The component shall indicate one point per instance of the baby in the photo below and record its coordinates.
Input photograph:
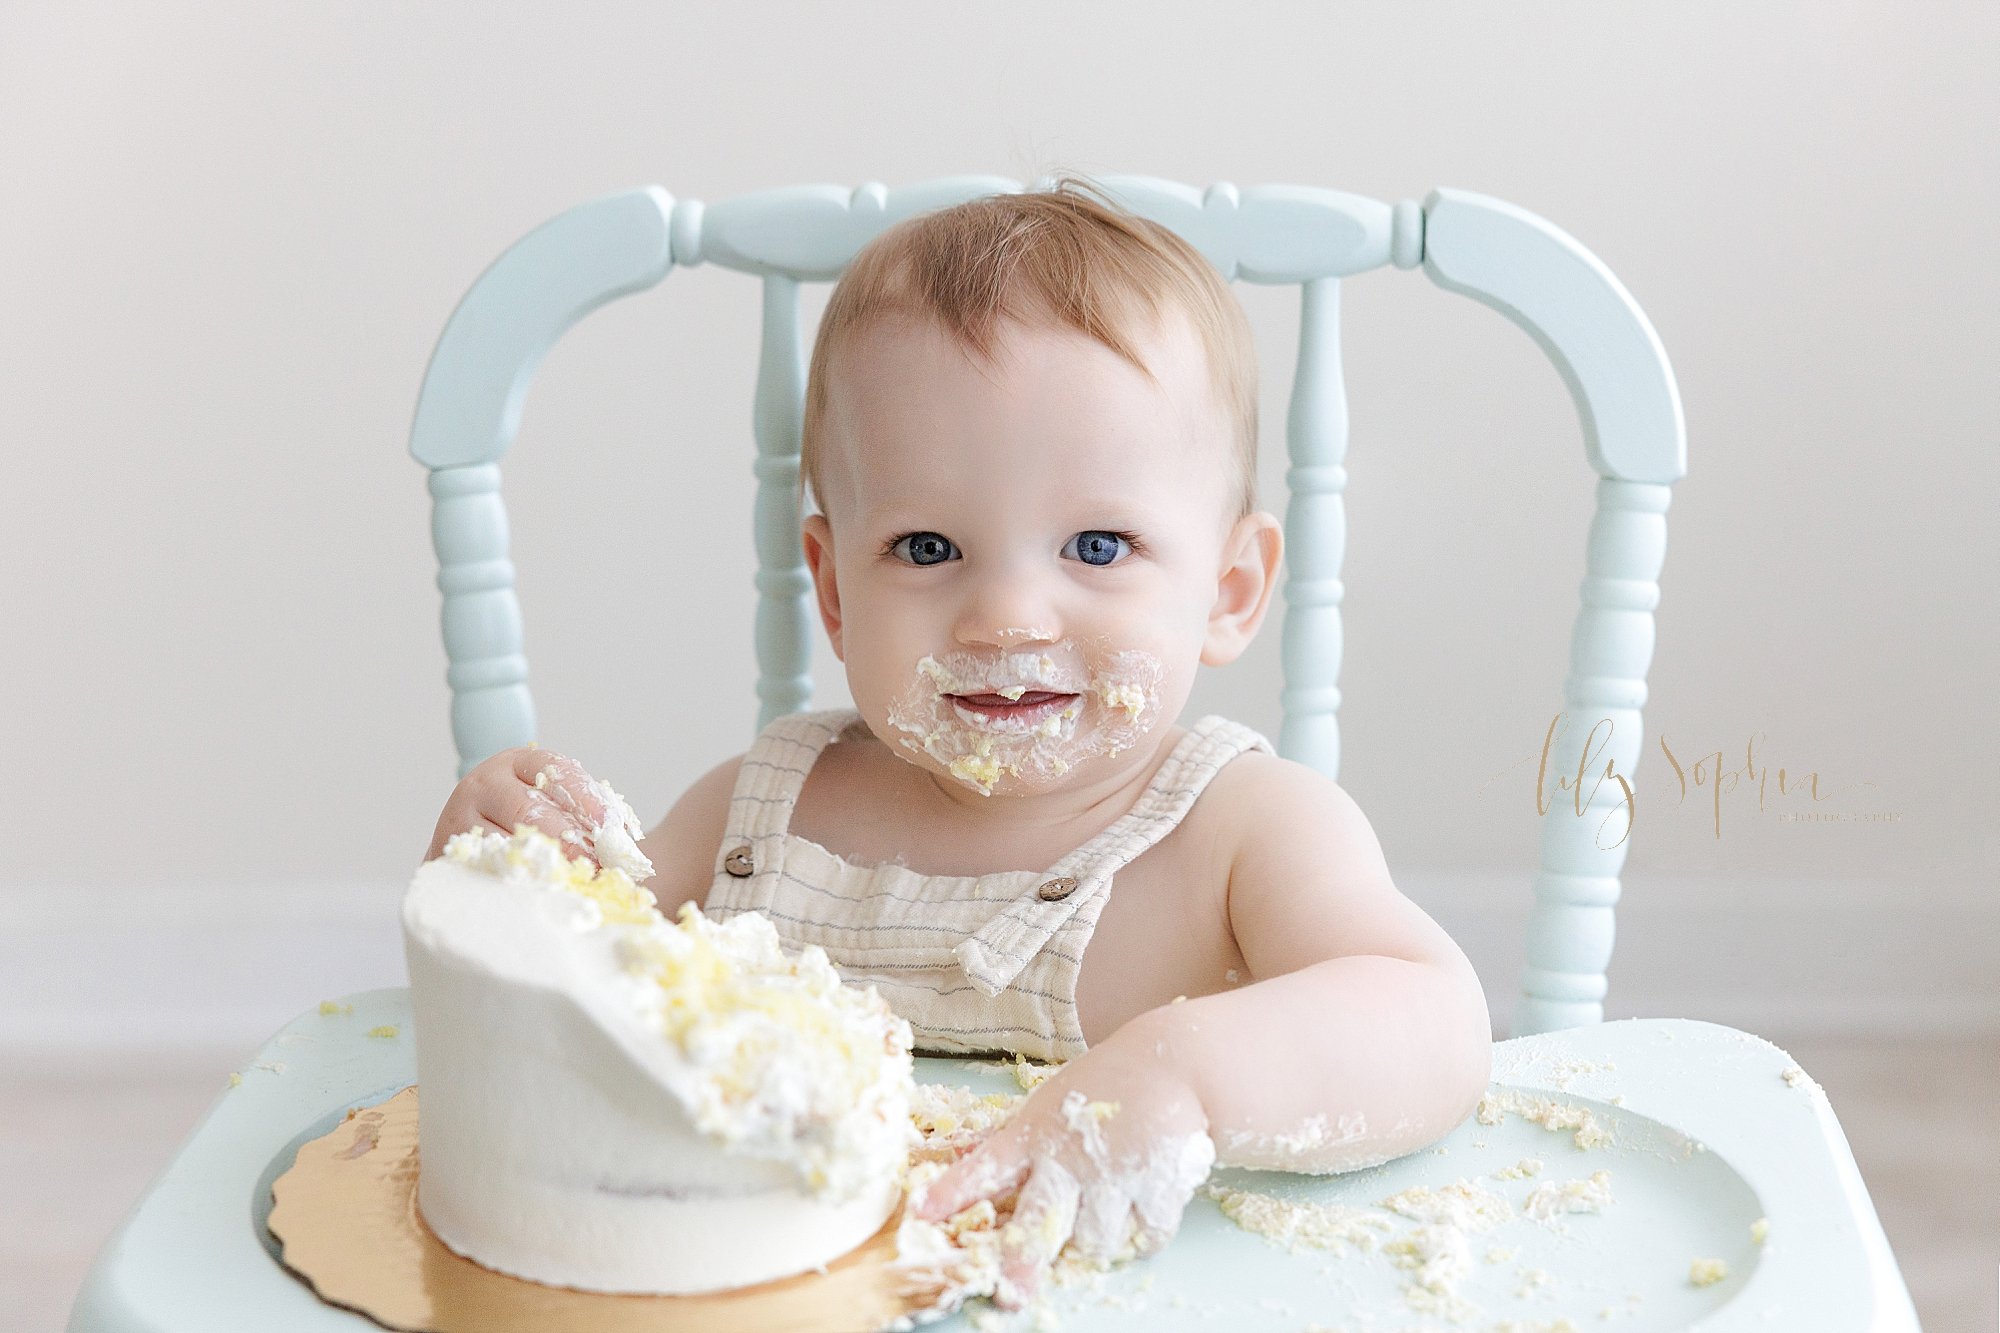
(1030, 432)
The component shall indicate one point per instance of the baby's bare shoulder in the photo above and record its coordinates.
(1307, 876)
(682, 846)
(1258, 793)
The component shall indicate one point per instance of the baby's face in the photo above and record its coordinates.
(1018, 561)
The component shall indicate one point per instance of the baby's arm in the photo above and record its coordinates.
(682, 846)
(1367, 1039)
(1367, 1034)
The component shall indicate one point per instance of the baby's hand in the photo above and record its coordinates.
(528, 785)
(1107, 1151)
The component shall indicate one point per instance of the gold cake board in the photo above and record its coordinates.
(346, 1216)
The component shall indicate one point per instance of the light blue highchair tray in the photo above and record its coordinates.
(1687, 1183)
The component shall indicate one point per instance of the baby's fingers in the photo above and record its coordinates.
(595, 822)
(563, 782)
(989, 1170)
(1103, 1221)
(1175, 1171)
(559, 798)
(1042, 1222)
(477, 806)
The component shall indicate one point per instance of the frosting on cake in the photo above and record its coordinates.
(618, 1102)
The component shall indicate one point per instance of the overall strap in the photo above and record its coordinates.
(994, 956)
(774, 772)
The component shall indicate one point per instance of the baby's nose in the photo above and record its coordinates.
(1007, 609)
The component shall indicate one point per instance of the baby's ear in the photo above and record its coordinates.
(816, 536)
(1249, 574)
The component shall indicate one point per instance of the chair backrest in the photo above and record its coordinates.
(1541, 279)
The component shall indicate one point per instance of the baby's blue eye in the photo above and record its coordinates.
(1096, 547)
(924, 548)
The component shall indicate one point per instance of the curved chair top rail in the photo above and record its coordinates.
(1268, 234)
(1530, 271)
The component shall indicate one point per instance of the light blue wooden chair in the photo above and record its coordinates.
(1729, 1150)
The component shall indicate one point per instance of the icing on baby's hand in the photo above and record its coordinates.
(1105, 1154)
(592, 820)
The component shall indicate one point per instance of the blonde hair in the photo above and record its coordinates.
(1051, 258)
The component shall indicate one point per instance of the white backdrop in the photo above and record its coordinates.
(234, 230)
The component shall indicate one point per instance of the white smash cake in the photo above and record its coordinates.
(616, 1102)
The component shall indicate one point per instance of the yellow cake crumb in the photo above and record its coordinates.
(236, 1080)
(1031, 1076)
(1568, 1070)
(952, 1118)
(1295, 1223)
(1799, 1078)
(1048, 1230)
(1436, 1257)
(979, 1217)
(1568, 1196)
(532, 853)
(386, 1030)
(1546, 1112)
(1760, 1229)
(1460, 1204)
(979, 768)
(1707, 1272)
(1128, 699)
(328, 1008)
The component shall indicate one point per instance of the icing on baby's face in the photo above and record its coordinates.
(1019, 559)
(1027, 718)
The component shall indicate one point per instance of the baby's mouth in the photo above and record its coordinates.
(1031, 707)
